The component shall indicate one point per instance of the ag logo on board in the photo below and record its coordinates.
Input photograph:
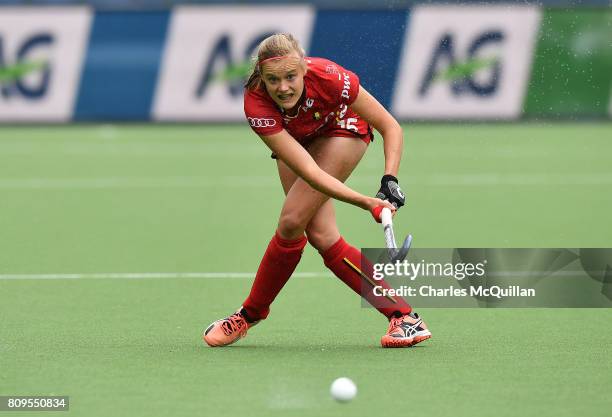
(24, 74)
(225, 65)
(465, 72)
(207, 57)
(465, 62)
(41, 57)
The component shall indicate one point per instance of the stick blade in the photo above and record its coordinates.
(400, 254)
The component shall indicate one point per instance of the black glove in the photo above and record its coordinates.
(391, 191)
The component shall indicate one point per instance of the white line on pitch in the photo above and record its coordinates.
(150, 275)
(435, 180)
(135, 182)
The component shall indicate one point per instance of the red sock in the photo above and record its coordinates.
(334, 259)
(277, 265)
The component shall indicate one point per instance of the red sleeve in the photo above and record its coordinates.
(341, 85)
(263, 117)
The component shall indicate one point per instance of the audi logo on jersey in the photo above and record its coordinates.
(261, 122)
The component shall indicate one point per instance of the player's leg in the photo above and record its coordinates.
(342, 259)
(323, 233)
(406, 328)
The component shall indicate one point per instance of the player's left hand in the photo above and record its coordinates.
(391, 191)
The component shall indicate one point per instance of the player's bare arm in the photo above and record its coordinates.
(299, 160)
(368, 108)
(380, 119)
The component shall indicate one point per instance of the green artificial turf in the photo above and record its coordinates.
(170, 199)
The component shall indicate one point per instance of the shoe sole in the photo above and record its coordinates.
(211, 344)
(400, 342)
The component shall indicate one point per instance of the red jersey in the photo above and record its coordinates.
(329, 90)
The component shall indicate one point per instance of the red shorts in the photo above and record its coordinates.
(339, 132)
(350, 126)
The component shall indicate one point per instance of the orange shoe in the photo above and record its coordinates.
(228, 330)
(405, 331)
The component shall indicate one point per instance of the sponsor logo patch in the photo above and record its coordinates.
(347, 86)
(308, 105)
(331, 69)
(261, 122)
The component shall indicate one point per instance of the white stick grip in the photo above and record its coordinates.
(387, 223)
(386, 218)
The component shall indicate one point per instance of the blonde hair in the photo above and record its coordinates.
(279, 44)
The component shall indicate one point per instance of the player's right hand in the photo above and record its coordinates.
(376, 205)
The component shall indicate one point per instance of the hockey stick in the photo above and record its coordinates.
(395, 254)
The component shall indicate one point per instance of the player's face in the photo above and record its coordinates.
(284, 80)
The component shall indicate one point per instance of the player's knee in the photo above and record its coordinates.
(321, 240)
(291, 225)
(316, 239)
